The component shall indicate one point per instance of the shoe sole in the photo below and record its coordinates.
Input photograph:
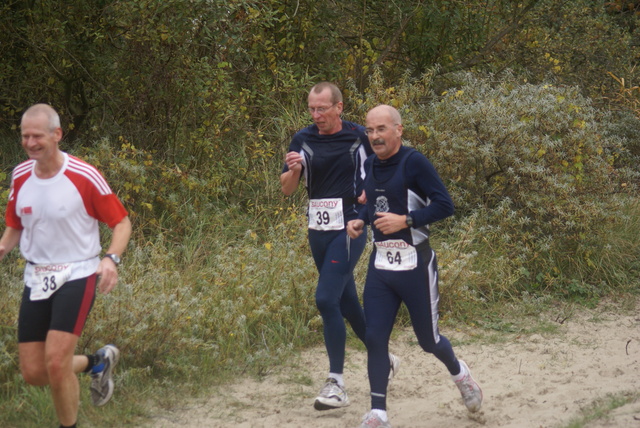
(319, 405)
(108, 374)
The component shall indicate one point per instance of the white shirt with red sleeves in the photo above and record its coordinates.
(59, 216)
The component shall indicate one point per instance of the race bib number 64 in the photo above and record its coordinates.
(47, 279)
(395, 255)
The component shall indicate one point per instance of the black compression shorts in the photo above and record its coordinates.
(66, 310)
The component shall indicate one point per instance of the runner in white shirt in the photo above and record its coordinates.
(55, 204)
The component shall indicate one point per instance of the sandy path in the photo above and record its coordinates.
(529, 381)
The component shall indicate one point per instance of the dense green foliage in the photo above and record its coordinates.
(540, 177)
(529, 111)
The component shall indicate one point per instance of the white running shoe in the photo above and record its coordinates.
(469, 389)
(102, 381)
(371, 420)
(332, 396)
(395, 365)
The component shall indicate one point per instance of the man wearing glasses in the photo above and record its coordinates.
(330, 154)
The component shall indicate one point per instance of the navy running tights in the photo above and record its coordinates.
(384, 291)
(335, 256)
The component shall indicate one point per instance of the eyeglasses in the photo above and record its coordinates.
(320, 110)
(380, 129)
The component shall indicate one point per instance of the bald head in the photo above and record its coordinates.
(386, 110)
(384, 129)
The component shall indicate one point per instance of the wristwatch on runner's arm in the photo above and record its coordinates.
(114, 258)
(409, 220)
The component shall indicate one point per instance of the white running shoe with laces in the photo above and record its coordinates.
(395, 365)
(102, 381)
(372, 420)
(332, 396)
(469, 389)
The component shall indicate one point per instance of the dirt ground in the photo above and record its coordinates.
(529, 381)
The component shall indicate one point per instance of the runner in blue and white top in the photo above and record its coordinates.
(404, 195)
(332, 168)
(330, 155)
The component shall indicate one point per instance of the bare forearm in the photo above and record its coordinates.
(10, 239)
(120, 237)
(289, 181)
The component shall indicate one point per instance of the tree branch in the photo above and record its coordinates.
(477, 58)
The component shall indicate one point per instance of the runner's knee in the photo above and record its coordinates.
(34, 375)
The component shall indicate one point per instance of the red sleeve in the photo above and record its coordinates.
(99, 200)
(18, 177)
(107, 209)
(10, 217)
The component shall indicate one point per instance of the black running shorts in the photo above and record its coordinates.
(66, 310)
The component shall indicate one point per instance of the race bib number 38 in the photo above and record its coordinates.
(326, 214)
(47, 279)
(396, 255)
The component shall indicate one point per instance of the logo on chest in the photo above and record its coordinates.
(382, 204)
(26, 211)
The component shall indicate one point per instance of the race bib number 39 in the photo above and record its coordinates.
(326, 214)
(47, 279)
(395, 255)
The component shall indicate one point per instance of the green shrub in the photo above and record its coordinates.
(533, 169)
